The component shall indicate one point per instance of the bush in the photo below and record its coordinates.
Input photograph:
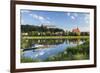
(79, 52)
(26, 60)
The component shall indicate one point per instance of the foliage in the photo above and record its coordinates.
(79, 52)
(26, 60)
(40, 30)
(32, 30)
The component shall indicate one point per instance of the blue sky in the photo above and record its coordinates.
(63, 20)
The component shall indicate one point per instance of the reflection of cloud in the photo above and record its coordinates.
(36, 55)
(41, 53)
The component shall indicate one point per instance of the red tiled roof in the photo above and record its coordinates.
(76, 30)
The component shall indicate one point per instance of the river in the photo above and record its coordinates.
(48, 47)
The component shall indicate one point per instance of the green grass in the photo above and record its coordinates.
(80, 52)
(54, 37)
(27, 60)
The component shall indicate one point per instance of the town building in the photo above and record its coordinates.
(76, 30)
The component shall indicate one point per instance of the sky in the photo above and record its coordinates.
(63, 20)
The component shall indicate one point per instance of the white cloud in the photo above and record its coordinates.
(48, 22)
(73, 17)
(25, 11)
(40, 18)
(37, 16)
(87, 21)
(75, 14)
(48, 18)
(22, 21)
(68, 14)
(84, 29)
(34, 16)
(87, 18)
(45, 21)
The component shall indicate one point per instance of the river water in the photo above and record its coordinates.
(47, 48)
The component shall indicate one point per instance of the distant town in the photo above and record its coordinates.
(50, 30)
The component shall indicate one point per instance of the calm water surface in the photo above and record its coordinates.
(46, 48)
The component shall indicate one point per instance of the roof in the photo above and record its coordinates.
(76, 30)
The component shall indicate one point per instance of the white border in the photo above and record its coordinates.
(52, 64)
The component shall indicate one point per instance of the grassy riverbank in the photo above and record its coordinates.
(54, 37)
(80, 52)
(27, 60)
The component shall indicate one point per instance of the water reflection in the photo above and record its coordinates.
(48, 47)
(27, 43)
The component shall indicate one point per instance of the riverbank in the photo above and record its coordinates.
(80, 52)
(55, 37)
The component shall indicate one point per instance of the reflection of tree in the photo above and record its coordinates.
(27, 43)
(74, 41)
(24, 43)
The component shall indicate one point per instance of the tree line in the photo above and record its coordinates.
(31, 30)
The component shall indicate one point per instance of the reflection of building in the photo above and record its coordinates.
(76, 30)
